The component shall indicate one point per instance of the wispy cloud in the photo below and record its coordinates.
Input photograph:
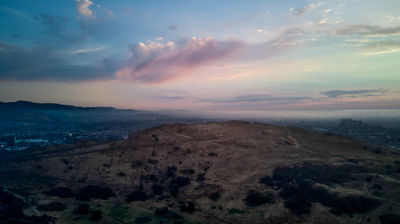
(301, 11)
(368, 30)
(354, 93)
(45, 64)
(83, 7)
(173, 27)
(382, 47)
(257, 98)
(17, 13)
(376, 47)
(87, 50)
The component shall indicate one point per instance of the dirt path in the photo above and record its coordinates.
(33, 208)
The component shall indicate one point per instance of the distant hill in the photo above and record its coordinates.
(221, 172)
(26, 105)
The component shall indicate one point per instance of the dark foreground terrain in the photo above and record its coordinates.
(227, 172)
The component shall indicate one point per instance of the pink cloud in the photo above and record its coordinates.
(158, 62)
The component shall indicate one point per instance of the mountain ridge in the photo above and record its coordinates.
(24, 105)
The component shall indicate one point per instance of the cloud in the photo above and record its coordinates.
(354, 93)
(376, 47)
(150, 62)
(369, 30)
(157, 62)
(257, 98)
(108, 12)
(17, 13)
(381, 47)
(83, 7)
(87, 50)
(55, 25)
(46, 64)
(301, 11)
(173, 27)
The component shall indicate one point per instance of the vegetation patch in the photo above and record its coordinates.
(188, 207)
(171, 171)
(214, 196)
(53, 206)
(299, 190)
(233, 211)
(389, 219)
(166, 213)
(157, 189)
(93, 191)
(60, 192)
(212, 154)
(137, 195)
(177, 183)
(255, 198)
(96, 215)
(144, 219)
(187, 171)
(83, 209)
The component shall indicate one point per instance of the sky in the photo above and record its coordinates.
(259, 55)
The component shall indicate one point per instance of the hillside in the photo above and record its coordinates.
(224, 172)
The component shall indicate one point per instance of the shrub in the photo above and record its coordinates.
(83, 209)
(214, 196)
(137, 195)
(157, 189)
(53, 206)
(256, 199)
(143, 220)
(121, 174)
(235, 211)
(353, 204)
(200, 177)
(60, 192)
(298, 205)
(152, 161)
(187, 171)
(189, 207)
(161, 212)
(92, 191)
(174, 190)
(96, 215)
(177, 183)
(267, 180)
(389, 219)
(180, 181)
(171, 171)
(165, 213)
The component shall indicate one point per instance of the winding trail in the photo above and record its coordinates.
(33, 208)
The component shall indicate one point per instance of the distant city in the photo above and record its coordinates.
(25, 125)
(357, 129)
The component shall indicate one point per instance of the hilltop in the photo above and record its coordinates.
(221, 172)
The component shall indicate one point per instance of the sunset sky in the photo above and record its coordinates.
(202, 55)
